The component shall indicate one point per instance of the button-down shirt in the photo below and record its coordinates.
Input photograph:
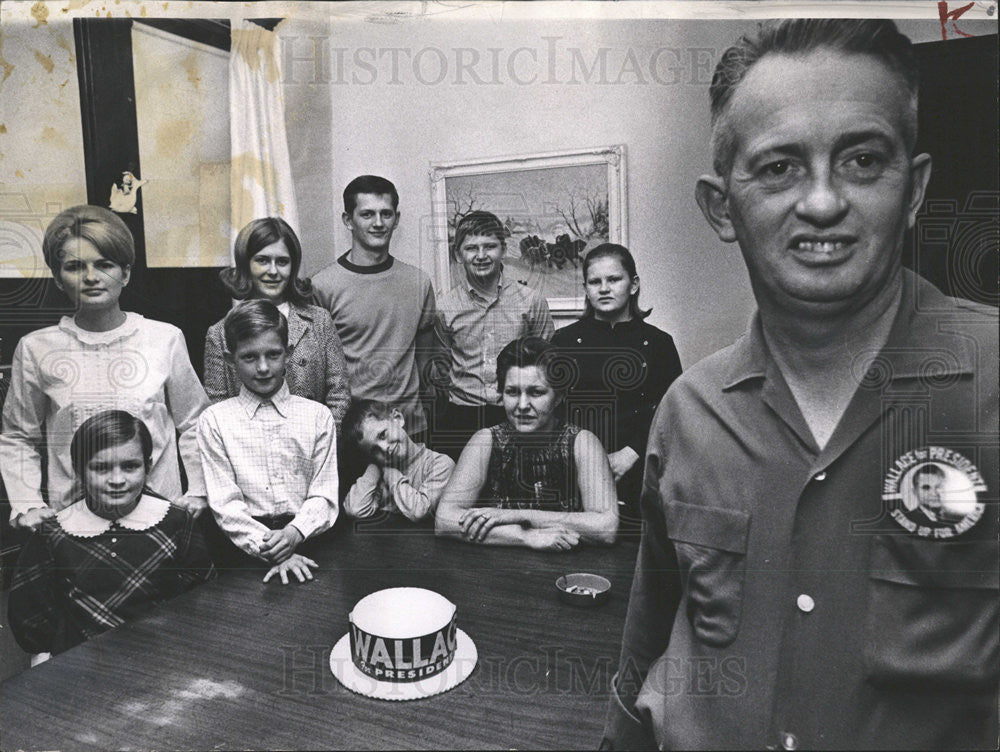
(413, 491)
(780, 599)
(473, 329)
(80, 574)
(265, 458)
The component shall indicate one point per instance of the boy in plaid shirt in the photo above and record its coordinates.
(270, 457)
(112, 555)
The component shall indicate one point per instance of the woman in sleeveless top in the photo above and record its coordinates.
(533, 480)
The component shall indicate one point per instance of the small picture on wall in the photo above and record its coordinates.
(555, 207)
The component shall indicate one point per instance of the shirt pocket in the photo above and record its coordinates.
(933, 613)
(711, 546)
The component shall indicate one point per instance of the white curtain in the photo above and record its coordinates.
(261, 174)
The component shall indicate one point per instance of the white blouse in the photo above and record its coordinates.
(63, 374)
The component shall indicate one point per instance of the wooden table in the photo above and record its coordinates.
(237, 664)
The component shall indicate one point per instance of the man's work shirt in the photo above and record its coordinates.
(791, 597)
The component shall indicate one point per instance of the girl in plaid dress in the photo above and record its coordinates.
(110, 556)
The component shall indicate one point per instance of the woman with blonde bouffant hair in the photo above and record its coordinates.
(99, 358)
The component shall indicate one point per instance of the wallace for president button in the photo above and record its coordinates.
(932, 492)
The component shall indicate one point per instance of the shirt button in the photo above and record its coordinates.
(113, 555)
(789, 741)
(579, 340)
(821, 475)
(805, 604)
(114, 540)
(645, 343)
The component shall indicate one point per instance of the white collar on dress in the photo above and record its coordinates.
(79, 521)
(127, 328)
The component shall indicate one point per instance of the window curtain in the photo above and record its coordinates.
(261, 175)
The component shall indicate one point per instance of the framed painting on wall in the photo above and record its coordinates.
(554, 206)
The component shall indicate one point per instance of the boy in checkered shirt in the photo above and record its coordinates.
(270, 457)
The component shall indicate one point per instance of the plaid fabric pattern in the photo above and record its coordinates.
(268, 458)
(67, 589)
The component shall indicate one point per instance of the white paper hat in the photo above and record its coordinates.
(403, 644)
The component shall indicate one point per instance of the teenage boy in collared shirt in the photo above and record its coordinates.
(270, 457)
(786, 596)
(476, 320)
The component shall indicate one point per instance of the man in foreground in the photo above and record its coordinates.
(785, 596)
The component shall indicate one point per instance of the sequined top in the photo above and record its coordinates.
(532, 470)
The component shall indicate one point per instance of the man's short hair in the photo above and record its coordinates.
(360, 410)
(800, 36)
(928, 469)
(373, 184)
(106, 429)
(481, 223)
(251, 318)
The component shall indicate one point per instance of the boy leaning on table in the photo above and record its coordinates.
(402, 475)
(269, 456)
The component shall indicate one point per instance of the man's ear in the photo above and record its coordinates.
(228, 357)
(920, 175)
(346, 219)
(712, 196)
(397, 415)
(127, 268)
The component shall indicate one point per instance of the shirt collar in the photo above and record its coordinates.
(502, 284)
(80, 522)
(250, 401)
(920, 338)
(129, 327)
(595, 322)
(373, 269)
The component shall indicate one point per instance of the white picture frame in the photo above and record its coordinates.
(543, 199)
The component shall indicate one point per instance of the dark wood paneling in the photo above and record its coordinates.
(191, 299)
(955, 241)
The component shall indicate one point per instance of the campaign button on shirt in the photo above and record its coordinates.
(933, 492)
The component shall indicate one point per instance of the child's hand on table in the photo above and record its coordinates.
(279, 545)
(297, 564)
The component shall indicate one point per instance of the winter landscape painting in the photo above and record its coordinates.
(554, 208)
